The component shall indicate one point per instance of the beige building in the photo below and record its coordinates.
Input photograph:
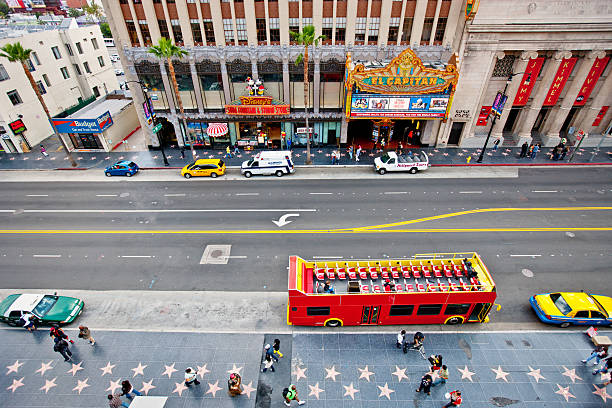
(231, 40)
(72, 68)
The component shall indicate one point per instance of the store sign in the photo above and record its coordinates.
(257, 110)
(563, 74)
(256, 100)
(531, 72)
(18, 127)
(600, 115)
(404, 88)
(97, 125)
(589, 83)
(303, 130)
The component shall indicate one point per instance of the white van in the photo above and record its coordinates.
(109, 42)
(412, 163)
(268, 163)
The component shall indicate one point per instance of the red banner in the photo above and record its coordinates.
(589, 83)
(533, 67)
(600, 115)
(563, 73)
(485, 111)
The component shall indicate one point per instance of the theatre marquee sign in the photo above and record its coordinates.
(403, 89)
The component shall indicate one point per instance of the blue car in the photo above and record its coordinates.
(122, 168)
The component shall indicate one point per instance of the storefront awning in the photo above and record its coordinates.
(216, 129)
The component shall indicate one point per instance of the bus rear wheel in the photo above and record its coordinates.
(333, 323)
(454, 320)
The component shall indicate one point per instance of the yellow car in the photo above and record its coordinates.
(204, 167)
(566, 308)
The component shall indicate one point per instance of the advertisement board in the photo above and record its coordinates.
(17, 127)
(499, 103)
(398, 106)
(97, 125)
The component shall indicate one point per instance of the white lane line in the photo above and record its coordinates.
(47, 256)
(172, 211)
(533, 256)
(321, 193)
(174, 195)
(544, 191)
(247, 194)
(136, 256)
(327, 257)
(37, 195)
(395, 192)
(234, 256)
(106, 195)
(470, 192)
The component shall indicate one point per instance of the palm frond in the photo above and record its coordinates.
(299, 59)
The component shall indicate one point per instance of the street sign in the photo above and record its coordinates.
(157, 128)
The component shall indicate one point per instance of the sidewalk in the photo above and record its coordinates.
(518, 370)
(34, 160)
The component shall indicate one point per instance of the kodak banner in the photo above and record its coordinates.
(589, 83)
(563, 73)
(533, 67)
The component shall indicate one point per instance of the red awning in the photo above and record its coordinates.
(216, 129)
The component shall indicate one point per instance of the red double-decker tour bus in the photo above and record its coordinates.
(449, 288)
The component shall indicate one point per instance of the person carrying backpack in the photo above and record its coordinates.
(291, 394)
(57, 332)
(61, 346)
(455, 399)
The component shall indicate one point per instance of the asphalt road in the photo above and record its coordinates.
(152, 235)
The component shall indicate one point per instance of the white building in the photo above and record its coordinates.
(72, 68)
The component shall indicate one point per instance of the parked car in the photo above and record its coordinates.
(411, 163)
(566, 308)
(122, 168)
(47, 309)
(203, 168)
(114, 57)
(119, 72)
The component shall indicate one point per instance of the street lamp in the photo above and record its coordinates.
(147, 101)
(495, 114)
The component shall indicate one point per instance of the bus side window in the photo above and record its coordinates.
(429, 310)
(317, 311)
(457, 308)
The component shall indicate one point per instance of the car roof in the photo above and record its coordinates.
(126, 162)
(579, 301)
(24, 302)
(207, 161)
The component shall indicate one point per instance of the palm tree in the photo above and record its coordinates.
(166, 50)
(16, 53)
(306, 38)
(93, 10)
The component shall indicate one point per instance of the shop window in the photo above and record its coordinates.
(238, 71)
(185, 86)
(271, 73)
(14, 97)
(439, 36)
(197, 133)
(212, 90)
(209, 31)
(195, 30)
(155, 87)
(407, 29)
(41, 87)
(260, 25)
(296, 86)
(426, 33)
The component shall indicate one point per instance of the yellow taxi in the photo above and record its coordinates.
(566, 308)
(204, 167)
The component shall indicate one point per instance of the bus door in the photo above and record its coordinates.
(480, 312)
(370, 314)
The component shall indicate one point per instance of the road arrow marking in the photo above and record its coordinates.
(282, 221)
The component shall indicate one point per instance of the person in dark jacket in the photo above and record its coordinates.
(128, 390)
(425, 384)
(56, 332)
(61, 346)
(524, 148)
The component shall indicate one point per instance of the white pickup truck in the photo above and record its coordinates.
(390, 161)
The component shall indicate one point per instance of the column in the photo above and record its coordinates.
(400, 32)
(215, 12)
(286, 88)
(135, 20)
(417, 23)
(317, 83)
(351, 17)
(385, 18)
(197, 88)
(249, 14)
(435, 22)
(511, 90)
(201, 23)
(530, 115)
(344, 130)
(254, 70)
(451, 23)
(317, 17)
(168, 22)
(603, 98)
(151, 18)
(180, 138)
(554, 123)
(283, 16)
(167, 87)
(369, 10)
(185, 22)
(226, 81)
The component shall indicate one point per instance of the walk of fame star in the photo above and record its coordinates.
(350, 390)
(331, 373)
(315, 390)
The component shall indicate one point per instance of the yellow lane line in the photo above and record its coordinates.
(353, 231)
(481, 210)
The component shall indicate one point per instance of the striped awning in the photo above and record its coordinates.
(216, 129)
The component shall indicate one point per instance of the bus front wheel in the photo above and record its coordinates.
(333, 323)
